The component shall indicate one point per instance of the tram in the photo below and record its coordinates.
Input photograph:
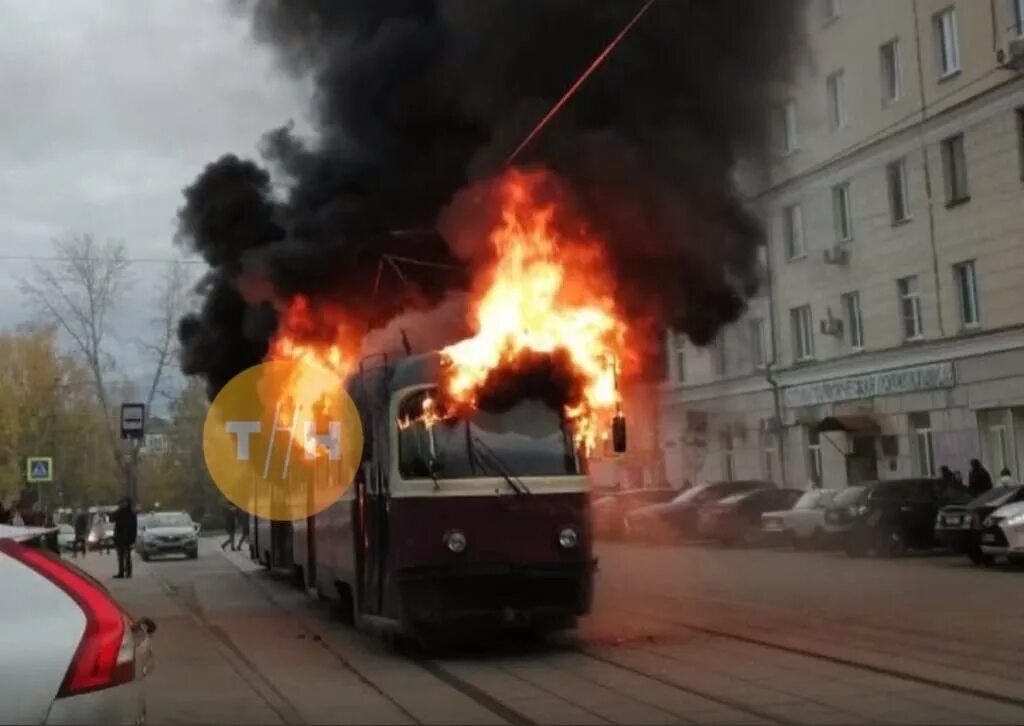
(466, 525)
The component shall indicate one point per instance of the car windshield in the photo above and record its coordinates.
(813, 498)
(850, 495)
(528, 439)
(168, 520)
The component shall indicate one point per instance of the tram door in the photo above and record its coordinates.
(373, 519)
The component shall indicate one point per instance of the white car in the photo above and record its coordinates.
(1002, 532)
(68, 652)
(804, 524)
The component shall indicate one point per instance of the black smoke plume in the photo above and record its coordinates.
(417, 99)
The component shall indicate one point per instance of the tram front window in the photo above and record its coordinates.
(528, 439)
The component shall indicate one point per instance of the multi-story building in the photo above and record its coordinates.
(889, 338)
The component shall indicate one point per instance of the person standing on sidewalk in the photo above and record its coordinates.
(230, 517)
(244, 526)
(979, 480)
(126, 526)
(81, 525)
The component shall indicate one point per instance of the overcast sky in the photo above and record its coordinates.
(107, 109)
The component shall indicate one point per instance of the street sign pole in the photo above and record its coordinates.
(133, 429)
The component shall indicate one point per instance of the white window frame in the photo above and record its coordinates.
(790, 135)
(842, 212)
(947, 42)
(728, 456)
(831, 10)
(896, 179)
(793, 231)
(802, 324)
(853, 321)
(910, 307)
(758, 343)
(835, 93)
(815, 467)
(892, 73)
(966, 281)
(954, 169)
(924, 446)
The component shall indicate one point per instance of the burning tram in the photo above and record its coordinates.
(471, 522)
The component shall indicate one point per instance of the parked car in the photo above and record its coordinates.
(899, 514)
(71, 654)
(609, 512)
(737, 517)
(804, 524)
(958, 526)
(1002, 533)
(677, 519)
(65, 537)
(169, 533)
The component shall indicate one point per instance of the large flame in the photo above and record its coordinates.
(547, 293)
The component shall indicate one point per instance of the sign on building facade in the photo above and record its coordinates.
(883, 383)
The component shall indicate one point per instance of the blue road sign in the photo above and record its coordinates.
(39, 469)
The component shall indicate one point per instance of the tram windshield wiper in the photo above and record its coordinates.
(487, 456)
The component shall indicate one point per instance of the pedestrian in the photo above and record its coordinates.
(1006, 478)
(949, 478)
(16, 519)
(979, 480)
(51, 538)
(81, 525)
(244, 538)
(230, 515)
(126, 525)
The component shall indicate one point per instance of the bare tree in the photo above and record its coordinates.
(78, 293)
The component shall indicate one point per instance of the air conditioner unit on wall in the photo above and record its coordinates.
(832, 326)
(1013, 57)
(837, 255)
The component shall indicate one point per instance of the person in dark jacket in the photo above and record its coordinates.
(230, 521)
(81, 525)
(979, 480)
(126, 526)
(243, 521)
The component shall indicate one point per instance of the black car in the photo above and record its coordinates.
(675, 520)
(899, 514)
(737, 517)
(958, 526)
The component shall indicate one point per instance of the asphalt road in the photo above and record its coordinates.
(680, 635)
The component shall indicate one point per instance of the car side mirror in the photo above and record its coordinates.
(619, 434)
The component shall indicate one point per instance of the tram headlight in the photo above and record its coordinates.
(455, 541)
(568, 538)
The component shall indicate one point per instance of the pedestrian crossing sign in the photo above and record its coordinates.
(39, 469)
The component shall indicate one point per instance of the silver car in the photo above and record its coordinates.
(68, 652)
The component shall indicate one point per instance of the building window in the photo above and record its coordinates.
(892, 72)
(758, 343)
(793, 231)
(769, 453)
(924, 451)
(814, 466)
(967, 293)
(830, 10)
(954, 167)
(910, 307)
(852, 320)
(789, 141)
(899, 198)
(803, 333)
(1020, 136)
(728, 456)
(947, 43)
(841, 213)
(836, 102)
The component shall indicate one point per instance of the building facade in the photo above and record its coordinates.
(889, 337)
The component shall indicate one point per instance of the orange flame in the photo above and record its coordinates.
(548, 292)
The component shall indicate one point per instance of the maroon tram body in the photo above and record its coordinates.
(475, 523)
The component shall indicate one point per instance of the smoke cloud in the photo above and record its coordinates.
(419, 100)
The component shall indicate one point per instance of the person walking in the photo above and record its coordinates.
(230, 517)
(81, 525)
(244, 526)
(126, 526)
(979, 480)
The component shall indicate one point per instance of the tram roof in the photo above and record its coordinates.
(379, 379)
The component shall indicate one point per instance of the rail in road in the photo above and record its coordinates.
(686, 672)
